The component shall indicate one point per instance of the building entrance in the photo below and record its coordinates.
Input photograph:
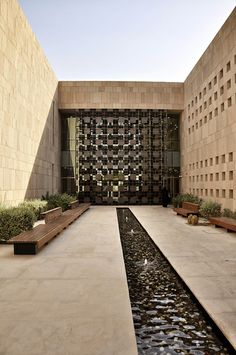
(120, 156)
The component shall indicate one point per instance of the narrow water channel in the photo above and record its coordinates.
(166, 317)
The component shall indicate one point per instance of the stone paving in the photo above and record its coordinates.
(72, 297)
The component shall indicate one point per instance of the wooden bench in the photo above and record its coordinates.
(224, 222)
(187, 209)
(31, 241)
(74, 204)
(50, 215)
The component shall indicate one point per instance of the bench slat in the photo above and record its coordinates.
(224, 222)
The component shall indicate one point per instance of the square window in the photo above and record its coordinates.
(221, 74)
(231, 156)
(229, 84)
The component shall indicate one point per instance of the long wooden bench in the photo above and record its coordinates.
(187, 209)
(30, 242)
(224, 222)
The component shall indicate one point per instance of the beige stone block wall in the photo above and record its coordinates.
(29, 125)
(120, 95)
(208, 124)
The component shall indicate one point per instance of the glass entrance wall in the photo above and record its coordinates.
(120, 156)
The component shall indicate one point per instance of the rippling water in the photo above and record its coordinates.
(166, 318)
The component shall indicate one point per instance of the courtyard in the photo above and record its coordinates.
(72, 297)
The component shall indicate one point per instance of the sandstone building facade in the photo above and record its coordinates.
(34, 107)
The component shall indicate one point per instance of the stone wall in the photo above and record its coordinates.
(120, 95)
(208, 125)
(29, 124)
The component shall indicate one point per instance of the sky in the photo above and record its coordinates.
(136, 40)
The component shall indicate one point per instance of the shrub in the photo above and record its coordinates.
(179, 199)
(59, 200)
(210, 209)
(14, 220)
(37, 206)
(228, 213)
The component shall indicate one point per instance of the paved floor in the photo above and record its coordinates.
(72, 298)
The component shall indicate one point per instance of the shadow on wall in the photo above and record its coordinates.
(45, 173)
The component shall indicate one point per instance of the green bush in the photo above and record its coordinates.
(59, 200)
(14, 220)
(228, 213)
(37, 206)
(210, 209)
(179, 199)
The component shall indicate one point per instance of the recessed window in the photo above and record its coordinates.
(229, 101)
(189, 178)
(211, 192)
(211, 177)
(223, 158)
(192, 128)
(215, 95)
(210, 115)
(223, 175)
(217, 159)
(222, 90)
(189, 118)
(217, 192)
(231, 175)
(210, 101)
(189, 130)
(206, 162)
(211, 161)
(209, 85)
(229, 84)
(192, 103)
(215, 80)
(188, 106)
(235, 59)
(223, 193)
(200, 122)
(193, 191)
(201, 163)
(197, 178)
(217, 176)
(193, 178)
(221, 74)
(222, 107)
(200, 108)
(196, 125)
(200, 95)
(205, 119)
(231, 156)
(201, 177)
(197, 191)
(206, 177)
(205, 104)
(196, 112)
(196, 165)
(231, 193)
(193, 166)
(206, 192)
(228, 66)
(195, 99)
(192, 116)
(216, 111)
(204, 91)
(201, 192)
